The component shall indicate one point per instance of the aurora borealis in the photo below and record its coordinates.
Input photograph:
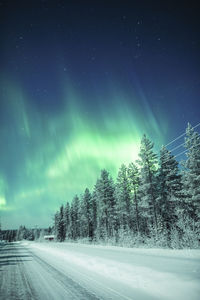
(80, 83)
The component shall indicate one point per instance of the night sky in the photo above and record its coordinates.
(80, 83)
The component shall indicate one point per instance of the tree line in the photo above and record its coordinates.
(24, 233)
(153, 201)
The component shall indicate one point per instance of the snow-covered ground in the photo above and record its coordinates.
(134, 273)
(99, 272)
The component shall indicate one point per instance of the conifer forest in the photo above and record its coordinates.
(154, 201)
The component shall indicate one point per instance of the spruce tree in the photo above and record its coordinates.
(169, 192)
(56, 221)
(67, 220)
(86, 214)
(191, 176)
(133, 177)
(61, 225)
(106, 206)
(94, 213)
(123, 197)
(75, 218)
(147, 189)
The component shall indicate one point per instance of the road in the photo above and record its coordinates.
(23, 275)
(68, 271)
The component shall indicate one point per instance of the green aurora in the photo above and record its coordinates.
(51, 155)
(80, 83)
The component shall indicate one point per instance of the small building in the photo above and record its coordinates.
(49, 237)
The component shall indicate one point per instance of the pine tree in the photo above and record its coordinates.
(191, 176)
(61, 225)
(86, 214)
(56, 221)
(133, 177)
(169, 191)
(106, 206)
(67, 220)
(123, 196)
(147, 187)
(21, 233)
(75, 218)
(112, 211)
(94, 214)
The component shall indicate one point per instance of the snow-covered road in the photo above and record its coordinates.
(77, 271)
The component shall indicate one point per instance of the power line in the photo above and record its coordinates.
(180, 145)
(181, 136)
(181, 153)
(175, 148)
(187, 149)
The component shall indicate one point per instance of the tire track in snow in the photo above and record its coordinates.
(72, 287)
(15, 283)
(30, 291)
(110, 293)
